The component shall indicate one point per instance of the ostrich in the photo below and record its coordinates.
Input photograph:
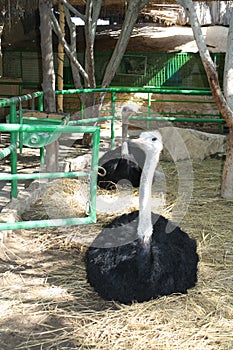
(142, 255)
(118, 164)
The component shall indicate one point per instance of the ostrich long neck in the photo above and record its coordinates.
(124, 147)
(144, 222)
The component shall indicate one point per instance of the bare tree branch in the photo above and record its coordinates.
(69, 53)
(92, 15)
(73, 48)
(74, 11)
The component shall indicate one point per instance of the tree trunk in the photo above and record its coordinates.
(2, 23)
(227, 177)
(60, 58)
(48, 84)
(224, 103)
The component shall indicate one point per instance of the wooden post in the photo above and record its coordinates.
(1, 30)
(60, 57)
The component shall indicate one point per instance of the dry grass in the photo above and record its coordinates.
(47, 303)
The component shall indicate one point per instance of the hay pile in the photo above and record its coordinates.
(63, 198)
(47, 303)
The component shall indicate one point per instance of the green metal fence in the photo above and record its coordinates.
(15, 129)
(154, 69)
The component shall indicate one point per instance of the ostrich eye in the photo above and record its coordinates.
(154, 138)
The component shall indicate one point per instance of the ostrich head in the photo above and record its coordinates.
(150, 142)
(127, 111)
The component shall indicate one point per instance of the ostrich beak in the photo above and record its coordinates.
(141, 142)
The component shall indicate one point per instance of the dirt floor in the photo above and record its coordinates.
(145, 37)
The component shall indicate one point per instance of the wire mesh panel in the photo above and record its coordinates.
(174, 69)
(12, 64)
(31, 67)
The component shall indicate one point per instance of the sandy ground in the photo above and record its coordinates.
(145, 37)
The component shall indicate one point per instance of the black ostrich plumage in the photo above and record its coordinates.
(121, 268)
(119, 169)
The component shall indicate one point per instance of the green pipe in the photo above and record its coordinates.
(40, 103)
(174, 119)
(36, 176)
(93, 174)
(45, 223)
(137, 89)
(89, 120)
(184, 101)
(47, 128)
(15, 100)
(82, 111)
(42, 156)
(183, 113)
(7, 151)
(113, 107)
(20, 133)
(13, 140)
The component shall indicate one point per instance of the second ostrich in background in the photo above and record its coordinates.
(142, 255)
(118, 165)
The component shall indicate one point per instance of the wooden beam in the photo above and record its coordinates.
(60, 57)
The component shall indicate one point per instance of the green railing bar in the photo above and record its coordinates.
(13, 140)
(7, 151)
(93, 174)
(89, 120)
(40, 102)
(36, 176)
(186, 113)
(42, 156)
(20, 122)
(46, 223)
(138, 89)
(15, 100)
(113, 108)
(184, 101)
(47, 128)
(201, 120)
